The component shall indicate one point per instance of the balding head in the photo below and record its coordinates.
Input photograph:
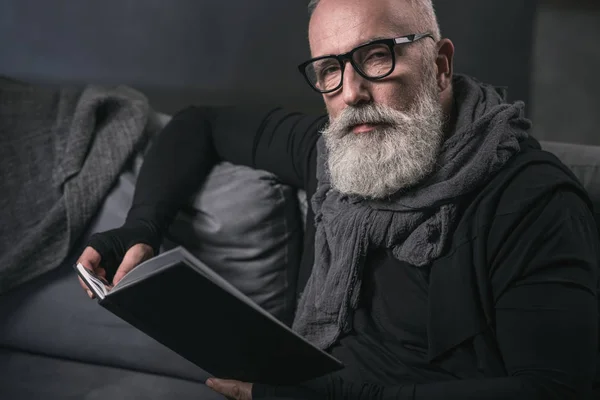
(422, 14)
(385, 132)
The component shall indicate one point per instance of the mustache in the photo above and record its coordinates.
(372, 114)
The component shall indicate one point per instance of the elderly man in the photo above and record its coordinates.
(446, 255)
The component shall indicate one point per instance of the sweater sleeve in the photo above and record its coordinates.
(274, 140)
(545, 277)
(186, 150)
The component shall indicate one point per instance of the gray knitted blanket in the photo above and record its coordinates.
(61, 150)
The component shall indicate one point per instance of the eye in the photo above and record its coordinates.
(375, 60)
(328, 70)
(374, 55)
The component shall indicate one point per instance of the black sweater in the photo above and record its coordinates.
(509, 312)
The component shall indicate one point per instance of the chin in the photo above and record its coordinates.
(380, 165)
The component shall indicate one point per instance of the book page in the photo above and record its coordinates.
(150, 267)
(178, 255)
(97, 284)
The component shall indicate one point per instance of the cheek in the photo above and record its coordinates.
(401, 87)
(397, 95)
(333, 106)
(400, 90)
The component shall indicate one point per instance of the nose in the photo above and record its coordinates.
(354, 88)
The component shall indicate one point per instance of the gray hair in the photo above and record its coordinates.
(424, 15)
(312, 4)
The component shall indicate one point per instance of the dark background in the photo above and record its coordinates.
(239, 51)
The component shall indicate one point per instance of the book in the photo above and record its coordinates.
(180, 302)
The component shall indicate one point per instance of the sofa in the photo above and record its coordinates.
(55, 343)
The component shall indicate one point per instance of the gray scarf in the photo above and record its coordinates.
(416, 225)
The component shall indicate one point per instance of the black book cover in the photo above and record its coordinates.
(181, 303)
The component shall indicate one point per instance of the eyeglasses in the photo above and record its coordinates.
(373, 60)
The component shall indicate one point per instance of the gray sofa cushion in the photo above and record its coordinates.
(584, 161)
(33, 377)
(246, 225)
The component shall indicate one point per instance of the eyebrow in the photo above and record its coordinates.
(376, 38)
(380, 37)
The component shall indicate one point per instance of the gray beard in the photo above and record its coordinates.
(397, 155)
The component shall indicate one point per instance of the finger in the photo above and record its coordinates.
(90, 258)
(225, 387)
(231, 388)
(134, 256)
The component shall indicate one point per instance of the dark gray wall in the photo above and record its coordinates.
(565, 86)
(230, 51)
(223, 50)
(494, 40)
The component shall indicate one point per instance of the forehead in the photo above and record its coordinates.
(337, 26)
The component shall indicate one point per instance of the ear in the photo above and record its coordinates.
(444, 62)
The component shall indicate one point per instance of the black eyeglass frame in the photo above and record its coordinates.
(342, 58)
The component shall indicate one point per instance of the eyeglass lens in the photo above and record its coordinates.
(374, 61)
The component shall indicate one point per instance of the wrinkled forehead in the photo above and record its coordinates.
(337, 26)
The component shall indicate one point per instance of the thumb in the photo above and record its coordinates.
(134, 256)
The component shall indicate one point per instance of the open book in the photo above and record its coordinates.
(183, 304)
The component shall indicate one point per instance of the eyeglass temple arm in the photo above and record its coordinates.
(412, 38)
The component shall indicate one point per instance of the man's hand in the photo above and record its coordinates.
(235, 390)
(91, 259)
